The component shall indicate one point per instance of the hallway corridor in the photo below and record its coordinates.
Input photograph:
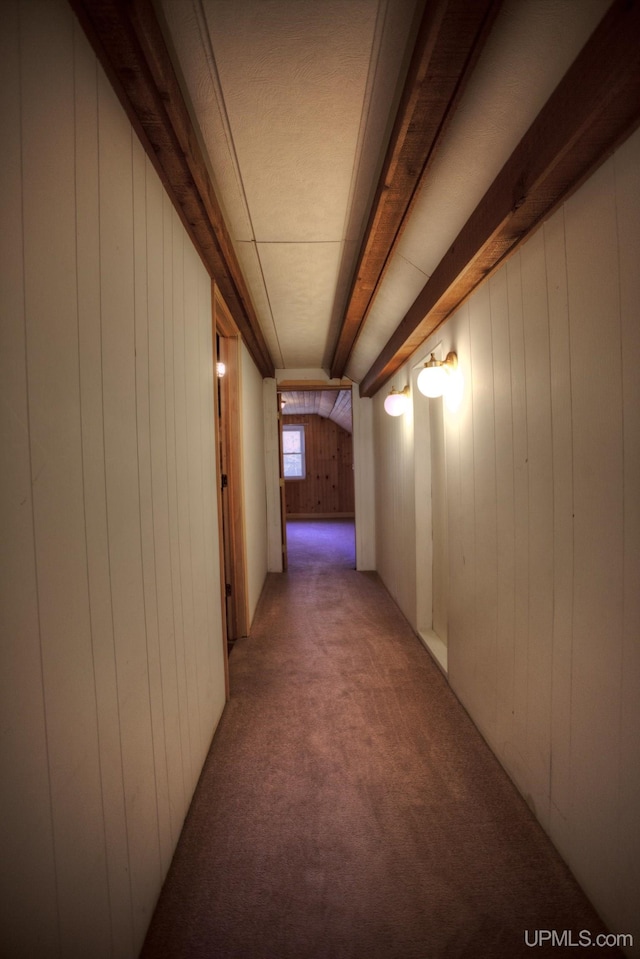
(348, 806)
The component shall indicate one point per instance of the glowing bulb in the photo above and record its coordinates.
(435, 379)
(396, 402)
(432, 381)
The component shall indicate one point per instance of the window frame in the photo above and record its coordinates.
(295, 428)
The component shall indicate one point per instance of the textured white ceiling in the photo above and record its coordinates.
(531, 46)
(294, 101)
(293, 77)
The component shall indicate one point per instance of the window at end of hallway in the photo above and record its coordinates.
(293, 451)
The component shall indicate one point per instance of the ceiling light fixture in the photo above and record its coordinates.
(433, 379)
(397, 401)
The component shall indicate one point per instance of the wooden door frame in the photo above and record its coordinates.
(306, 386)
(283, 499)
(229, 441)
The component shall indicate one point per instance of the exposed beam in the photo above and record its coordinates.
(128, 41)
(450, 38)
(594, 108)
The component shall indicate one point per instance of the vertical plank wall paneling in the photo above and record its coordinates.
(562, 458)
(514, 743)
(363, 479)
(26, 821)
(540, 520)
(47, 80)
(598, 478)
(543, 473)
(463, 622)
(395, 504)
(480, 473)
(626, 165)
(255, 479)
(95, 495)
(272, 474)
(123, 498)
(439, 520)
(156, 235)
(424, 519)
(112, 652)
(147, 245)
(505, 505)
(172, 293)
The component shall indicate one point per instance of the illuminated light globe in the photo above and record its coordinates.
(435, 379)
(396, 403)
(432, 381)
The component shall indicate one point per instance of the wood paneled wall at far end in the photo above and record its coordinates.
(327, 489)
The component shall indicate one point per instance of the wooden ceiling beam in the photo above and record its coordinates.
(451, 36)
(128, 41)
(593, 109)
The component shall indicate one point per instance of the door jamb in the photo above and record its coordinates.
(237, 623)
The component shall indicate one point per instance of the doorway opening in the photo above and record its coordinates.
(231, 515)
(317, 480)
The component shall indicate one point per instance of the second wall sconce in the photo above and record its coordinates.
(433, 379)
(397, 401)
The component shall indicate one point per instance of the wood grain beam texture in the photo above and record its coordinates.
(593, 109)
(128, 41)
(451, 36)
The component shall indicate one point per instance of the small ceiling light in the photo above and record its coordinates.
(397, 401)
(220, 370)
(433, 380)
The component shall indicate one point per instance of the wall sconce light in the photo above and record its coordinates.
(433, 379)
(397, 401)
(220, 370)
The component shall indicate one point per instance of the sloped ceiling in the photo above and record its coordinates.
(299, 132)
(331, 404)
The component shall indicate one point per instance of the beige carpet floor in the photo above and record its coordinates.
(349, 809)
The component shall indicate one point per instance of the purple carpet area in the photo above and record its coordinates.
(321, 542)
(349, 808)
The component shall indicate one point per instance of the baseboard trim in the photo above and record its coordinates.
(436, 648)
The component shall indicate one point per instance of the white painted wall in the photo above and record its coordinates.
(254, 479)
(272, 475)
(395, 526)
(111, 667)
(543, 476)
(364, 480)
